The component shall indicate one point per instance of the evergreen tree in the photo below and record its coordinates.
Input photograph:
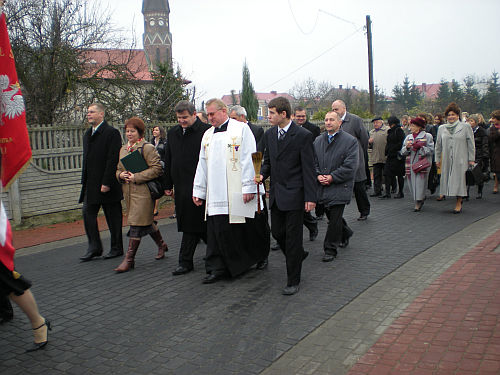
(470, 99)
(491, 99)
(456, 93)
(247, 97)
(406, 96)
(444, 95)
(168, 89)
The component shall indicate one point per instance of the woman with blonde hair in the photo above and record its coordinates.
(136, 193)
(455, 151)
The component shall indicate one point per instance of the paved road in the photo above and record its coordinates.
(149, 322)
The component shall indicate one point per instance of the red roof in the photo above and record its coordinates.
(133, 61)
(261, 96)
(429, 90)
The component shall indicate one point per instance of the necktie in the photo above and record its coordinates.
(330, 138)
(282, 135)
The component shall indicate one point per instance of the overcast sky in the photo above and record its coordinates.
(287, 41)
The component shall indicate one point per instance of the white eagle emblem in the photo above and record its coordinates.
(11, 101)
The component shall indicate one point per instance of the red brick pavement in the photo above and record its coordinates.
(453, 327)
(61, 231)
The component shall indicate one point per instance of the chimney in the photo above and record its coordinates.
(354, 87)
(424, 87)
(274, 92)
(340, 87)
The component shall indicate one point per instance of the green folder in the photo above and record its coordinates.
(134, 162)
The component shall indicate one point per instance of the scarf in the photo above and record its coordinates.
(451, 127)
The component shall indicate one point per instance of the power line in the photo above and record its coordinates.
(297, 23)
(315, 58)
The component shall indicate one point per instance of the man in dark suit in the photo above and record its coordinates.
(182, 152)
(353, 125)
(100, 188)
(336, 164)
(311, 223)
(289, 160)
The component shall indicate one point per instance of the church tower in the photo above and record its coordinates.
(157, 39)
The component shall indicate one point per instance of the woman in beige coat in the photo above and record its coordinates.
(136, 193)
(455, 151)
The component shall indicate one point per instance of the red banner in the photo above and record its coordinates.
(14, 141)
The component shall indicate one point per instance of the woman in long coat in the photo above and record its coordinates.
(482, 151)
(494, 142)
(418, 144)
(455, 151)
(136, 193)
(395, 163)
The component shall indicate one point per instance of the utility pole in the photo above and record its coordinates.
(370, 63)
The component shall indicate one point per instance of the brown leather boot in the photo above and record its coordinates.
(162, 246)
(128, 261)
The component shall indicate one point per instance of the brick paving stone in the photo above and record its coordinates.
(148, 314)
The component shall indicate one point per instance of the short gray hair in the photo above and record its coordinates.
(239, 110)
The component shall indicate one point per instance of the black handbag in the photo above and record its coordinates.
(158, 185)
(474, 175)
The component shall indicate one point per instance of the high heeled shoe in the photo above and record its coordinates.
(40, 345)
(441, 198)
(455, 211)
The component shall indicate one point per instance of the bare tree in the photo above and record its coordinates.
(51, 40)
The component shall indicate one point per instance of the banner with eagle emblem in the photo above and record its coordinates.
(14, 140)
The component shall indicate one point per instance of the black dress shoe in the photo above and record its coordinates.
(181, 270)
(275, 247)
(213, 277)
(385, 197)
(113, 254)
(90, 255)
(362, 217)
(290, 290)
(328, 258)
(344, 243)
(375, 195)
(399, 196)
(313, 234)
(262, 264)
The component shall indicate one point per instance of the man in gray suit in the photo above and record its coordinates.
(353, 125)
(336, 165)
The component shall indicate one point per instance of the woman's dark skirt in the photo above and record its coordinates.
(12, 282)
(137, 231)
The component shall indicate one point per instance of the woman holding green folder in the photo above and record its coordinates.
(136, 193)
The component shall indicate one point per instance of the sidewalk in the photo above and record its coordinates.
(55, 232)
(413, 293)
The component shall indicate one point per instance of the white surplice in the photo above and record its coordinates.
(225, 167)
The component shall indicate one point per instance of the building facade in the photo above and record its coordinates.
(157, 38)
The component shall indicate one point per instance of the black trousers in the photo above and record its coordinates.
(286, 227)
(310, 222)
(390, 183)
(378, 172)
(227, 250)
(188, 246)
(113, 214)
(361, 198)
(338, 231)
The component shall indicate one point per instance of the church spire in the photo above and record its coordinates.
(157, 39)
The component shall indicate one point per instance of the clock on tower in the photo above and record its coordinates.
(157, 38)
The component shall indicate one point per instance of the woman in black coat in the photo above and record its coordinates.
(494, 141)
(395, 163)
(160, 142)
(482, 150)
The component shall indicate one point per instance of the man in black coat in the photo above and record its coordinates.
(353, 125)
(182, 152)
(100, 188)
(310, 222)
(289, 160)
(239, 113)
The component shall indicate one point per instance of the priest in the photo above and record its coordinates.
(225, 180)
